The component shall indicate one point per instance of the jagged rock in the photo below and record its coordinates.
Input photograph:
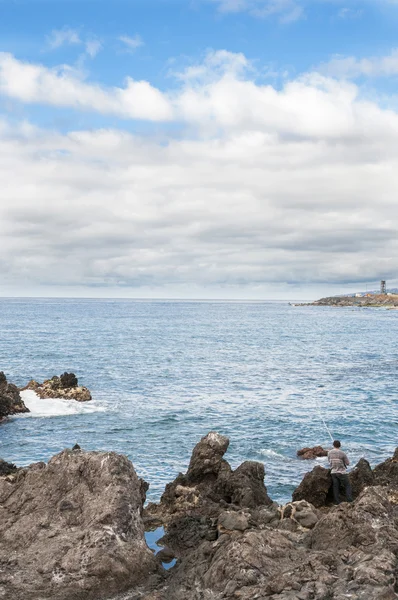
(245, 486)
(11, 402)
(359, 524)
(68, 380)
(311, 453)
(210, 484)
(66, 386)
(387, 472)
(187, 532)
(207, 458)
(191, 505)
(7, 468)
(72, 529)
(350, 552)
(360, 477)
(315, 487)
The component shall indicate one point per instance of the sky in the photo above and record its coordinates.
(236, 149)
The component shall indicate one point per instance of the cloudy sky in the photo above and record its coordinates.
(198, 148)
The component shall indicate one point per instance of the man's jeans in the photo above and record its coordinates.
(341, 479)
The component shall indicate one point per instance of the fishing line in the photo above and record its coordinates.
(318, 405)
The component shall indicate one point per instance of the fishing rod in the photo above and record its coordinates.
(319, 408)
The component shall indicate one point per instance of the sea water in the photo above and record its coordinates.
(163, 374)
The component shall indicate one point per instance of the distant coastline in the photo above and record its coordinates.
(389, 301)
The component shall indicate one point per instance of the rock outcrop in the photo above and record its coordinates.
(191, 505)
(66, 386)
(366, 301)
(387, 472)
(11, 402)
(351, 552)
(210, 485)
(316, 486)
(72, 529)
(312, 453)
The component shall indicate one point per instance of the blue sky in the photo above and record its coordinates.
(210, 148)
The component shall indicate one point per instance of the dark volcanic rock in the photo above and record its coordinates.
(6, 468)
(210, 484)
(191, 505)
(11, 402)
(351, 552)
(244, 487)
(68, 380)
(66, 386)
(315, 487)
(207, 459)
(72, 529)
(311, 453)
(360, 477)
(387, 472)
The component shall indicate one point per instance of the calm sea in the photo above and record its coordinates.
(164, 373)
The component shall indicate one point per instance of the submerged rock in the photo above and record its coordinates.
(11, 402)
(312, 453)
(72, 529)
(66, 386)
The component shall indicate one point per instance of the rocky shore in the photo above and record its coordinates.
(73, 529)
(65, 386)
(371, 301)
(11, 402)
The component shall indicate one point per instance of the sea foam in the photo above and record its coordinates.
(54, 407)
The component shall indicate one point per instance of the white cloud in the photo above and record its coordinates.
(61, 37)
(132, 43)
(286, 10)
(68, 36)
(262, 186)
(62, 87)
(350, 13)
(352, 67)
(93, 46)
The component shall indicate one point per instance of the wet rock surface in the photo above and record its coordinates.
(312, 453)
(11, 402)
(66, 386)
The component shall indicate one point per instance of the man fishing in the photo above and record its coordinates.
(339, 462)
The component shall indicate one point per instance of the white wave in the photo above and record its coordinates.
(271, 453)
(54, 407)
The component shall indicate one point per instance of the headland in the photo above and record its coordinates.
(389, 301)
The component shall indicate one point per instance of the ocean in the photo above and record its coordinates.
(164, 373)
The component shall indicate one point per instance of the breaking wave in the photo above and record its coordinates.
(54, 407)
